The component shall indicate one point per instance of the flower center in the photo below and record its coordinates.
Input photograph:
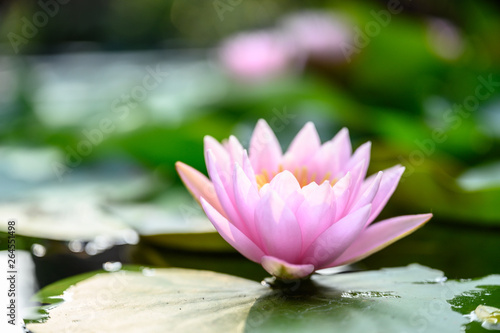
(301, 174)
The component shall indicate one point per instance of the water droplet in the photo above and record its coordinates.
(38, 250)
(76, 246)
(148, 271)
(67, 295)
(103, 243)
(112, 266)
(368, 294)
(91, 249)
(131, 237)
(440, 279)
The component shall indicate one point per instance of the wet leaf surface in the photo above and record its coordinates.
(405, 299)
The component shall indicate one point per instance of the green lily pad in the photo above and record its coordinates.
(173, 221)
(38, 173)
(406, 299)
(483, 177)
(66, 219)
(69, 206)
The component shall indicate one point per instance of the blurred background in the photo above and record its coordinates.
(99, 99)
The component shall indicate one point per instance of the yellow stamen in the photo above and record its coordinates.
(302, 178)
(313, 177)
(266, 175)
(326, 177)
(261, 180)
(301, 174)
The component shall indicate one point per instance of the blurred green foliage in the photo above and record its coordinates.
(400, 90)
(425, 89)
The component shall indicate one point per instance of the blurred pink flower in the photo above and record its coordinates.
(318, 35)
(256, 56)
(307, 209)
(445, 39)
(266, 54)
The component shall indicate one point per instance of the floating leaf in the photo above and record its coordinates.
(175, 221)
(66, 219)
(481, 178)
(406, 299)
(68, 206)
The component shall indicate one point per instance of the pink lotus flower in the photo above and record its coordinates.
(294, 213)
